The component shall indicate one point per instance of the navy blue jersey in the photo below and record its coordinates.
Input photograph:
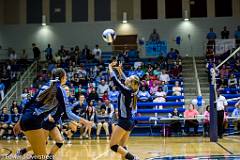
(125, 98)
(15, 118)
(5, 118)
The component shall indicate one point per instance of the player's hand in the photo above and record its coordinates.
(17, 129)
(51, 119)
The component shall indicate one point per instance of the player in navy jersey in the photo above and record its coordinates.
(50, 98)
(127, 104)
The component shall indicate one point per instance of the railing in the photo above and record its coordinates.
(25, 81)
(196, 77)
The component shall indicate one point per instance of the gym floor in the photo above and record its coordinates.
(152, 148)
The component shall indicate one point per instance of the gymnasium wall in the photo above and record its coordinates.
(193, 32)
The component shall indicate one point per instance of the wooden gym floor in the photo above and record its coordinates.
(144, 147)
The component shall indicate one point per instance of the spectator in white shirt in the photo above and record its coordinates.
(236, 114)
(177, 89)
(232, 81)
(102, 87)
(164, 76)
(159, 96)
(97, 52)
(221, 104)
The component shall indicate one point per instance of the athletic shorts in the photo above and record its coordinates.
(126, 124)
(29, 121)
(47, 125)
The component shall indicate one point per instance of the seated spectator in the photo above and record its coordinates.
(86, 52)
(82, 75)
(154, 88)
(189, 115)
(90, 116)
(175, 125)
(154, 36)
(15, 117)
(143, 95)
(14, 104)
(232, 81)
(165, 86)
(177, 89)
(224, 72)
(237, 36)
(210, 53)
(139, 72)
(176, 71)
(237, 65)
(98, 106)
(105, 96)
(159, 96)
(103, 121)
(114, 119)
(5, 121)
(109, 108)
(236, 114)
(113, 95)
(206, 122)
(225, 33)
(93, 96)
(102, 87)
(172, 55)
(164, 76)
(90, 88)
(157, 72)
(80, 106)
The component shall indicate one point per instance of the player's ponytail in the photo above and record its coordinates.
(49, 94)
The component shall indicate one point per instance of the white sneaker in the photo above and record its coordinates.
(136, 158)
(69, 142)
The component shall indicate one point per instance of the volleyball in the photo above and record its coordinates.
(109, 35)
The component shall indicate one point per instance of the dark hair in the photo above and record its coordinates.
(49, 94)
(207, 108)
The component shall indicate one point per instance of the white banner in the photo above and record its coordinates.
(223, 45)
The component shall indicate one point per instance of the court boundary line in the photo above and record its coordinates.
(231, 153)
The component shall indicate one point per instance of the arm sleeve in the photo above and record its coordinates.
(116, 81)
(9, 119)
(63, 99)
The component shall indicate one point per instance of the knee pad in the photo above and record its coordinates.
(125, 147)
(114, 148)
(59, 145)
(72, 131)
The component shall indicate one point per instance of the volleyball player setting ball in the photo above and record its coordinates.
(127, 104)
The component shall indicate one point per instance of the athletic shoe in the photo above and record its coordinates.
(69, 142)
(136, 158)
(21, 152)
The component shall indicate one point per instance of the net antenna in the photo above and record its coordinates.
(213, 96)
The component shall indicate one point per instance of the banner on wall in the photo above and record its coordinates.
(156, 48)
(223, 45)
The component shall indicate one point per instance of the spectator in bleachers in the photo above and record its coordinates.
(237, 36)
(165, 86)
(164, 76)
(211, 36)
(109, 108)
(224, 72)
(157, 71)
(154, 36)
(103, 121)
(176, 71)
(177, 89)
(175, 125)
(90, 88)
(232, 81)
(2, 88)
(154, 88)
(113, 95)
(206, 122)
(139, 72)
(12, 56)
(102, 87)
(86, 52)
(172, 55)
(143, 95)
(82, 75)
(93, 96)
(48, 53)
(15, 105)
(15, 116)
(189, 115)
(91, 116)
(36, 52)
(225, 33)
(236, 114)
(159, 97)
(5, 120)
(97, 53)
(105, 96)
(210, 54)
(80, 106)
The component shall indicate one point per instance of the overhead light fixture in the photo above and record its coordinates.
(44, 20)
(186, 16)
(124, 18)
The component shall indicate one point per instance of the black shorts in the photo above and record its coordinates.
(47, 125)
(126, 124)
(29, 121)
